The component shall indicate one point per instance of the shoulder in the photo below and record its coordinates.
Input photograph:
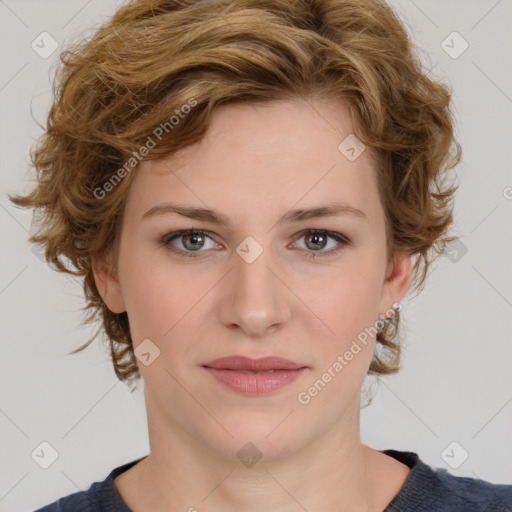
(430, 488)
(76, 501)
(100, 497)
(480, 494)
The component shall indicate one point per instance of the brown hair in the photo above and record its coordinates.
(154, 57)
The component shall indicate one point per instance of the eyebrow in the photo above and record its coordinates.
(297, 215)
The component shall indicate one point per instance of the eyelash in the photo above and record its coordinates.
(341, 239)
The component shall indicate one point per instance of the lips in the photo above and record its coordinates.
(254, 376)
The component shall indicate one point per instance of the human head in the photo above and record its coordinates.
(158, 59)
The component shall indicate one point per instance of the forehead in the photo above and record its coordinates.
(262, 160)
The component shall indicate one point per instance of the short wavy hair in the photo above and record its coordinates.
(153, 57)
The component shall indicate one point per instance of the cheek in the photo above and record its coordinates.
(349, 302)
(165, 303)
(350, 309)
(153, 297)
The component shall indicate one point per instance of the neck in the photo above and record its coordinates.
(336, 472)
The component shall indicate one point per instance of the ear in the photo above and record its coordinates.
(397, 282)
(107, 281)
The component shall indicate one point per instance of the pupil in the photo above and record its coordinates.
(315, 237)
(194, 239)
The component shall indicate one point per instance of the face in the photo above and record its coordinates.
(260, 284)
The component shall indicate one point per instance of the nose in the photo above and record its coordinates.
(256, 297)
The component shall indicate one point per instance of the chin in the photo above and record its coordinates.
(260, 440)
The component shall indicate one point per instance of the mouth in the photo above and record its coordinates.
(243, 363)
(254, 376)
(251, 371)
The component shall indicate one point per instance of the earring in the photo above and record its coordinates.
(381, 322)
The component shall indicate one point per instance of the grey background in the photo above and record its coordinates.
(456, 381)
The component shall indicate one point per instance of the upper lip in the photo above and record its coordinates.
(246, 363)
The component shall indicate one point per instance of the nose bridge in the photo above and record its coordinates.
(258, 295)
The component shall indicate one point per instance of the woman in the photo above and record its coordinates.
(249, 189)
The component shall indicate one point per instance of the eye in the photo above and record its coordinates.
(193, 240)
(317, 239)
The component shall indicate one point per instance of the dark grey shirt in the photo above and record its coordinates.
(426, 489)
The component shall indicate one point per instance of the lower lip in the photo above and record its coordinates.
(255, 383)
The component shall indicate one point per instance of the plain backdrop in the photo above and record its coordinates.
(451, 400)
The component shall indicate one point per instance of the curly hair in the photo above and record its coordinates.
(153, 58)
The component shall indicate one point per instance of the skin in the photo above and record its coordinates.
(255, 163)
